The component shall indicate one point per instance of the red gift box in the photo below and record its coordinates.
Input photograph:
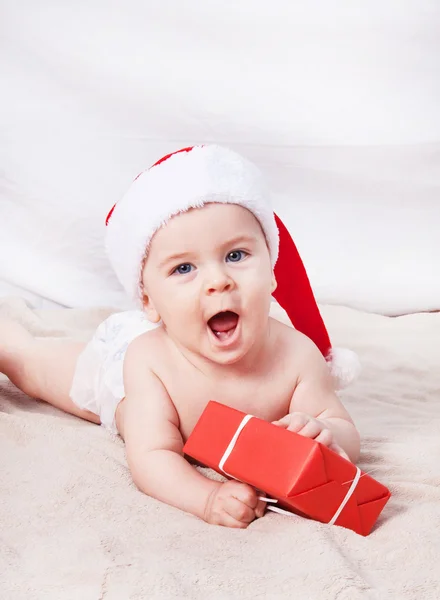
(304, 476)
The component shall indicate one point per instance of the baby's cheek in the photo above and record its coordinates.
(259, 293)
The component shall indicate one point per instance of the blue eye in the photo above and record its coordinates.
(236, 255)
(183, 269)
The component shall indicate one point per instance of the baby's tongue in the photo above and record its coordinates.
(222, 322)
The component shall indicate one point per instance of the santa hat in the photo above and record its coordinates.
(190, 178)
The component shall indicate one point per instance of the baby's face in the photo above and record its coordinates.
(208, 276)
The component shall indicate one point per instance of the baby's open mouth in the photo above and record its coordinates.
(223, 324)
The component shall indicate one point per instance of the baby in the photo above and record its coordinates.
(195, 243)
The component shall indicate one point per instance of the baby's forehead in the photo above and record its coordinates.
(210, 225)
(219, 217)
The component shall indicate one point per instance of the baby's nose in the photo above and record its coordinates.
(218, 281)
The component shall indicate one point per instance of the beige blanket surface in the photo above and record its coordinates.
(73, 525)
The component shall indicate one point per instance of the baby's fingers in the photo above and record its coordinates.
(325, 437)
(228, 521)
(313, 429)
(239, 511)
(261, 507)
(284, 422)
(336, 448)
(293, 422)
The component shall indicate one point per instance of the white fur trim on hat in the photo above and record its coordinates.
(344, 366)
(185, 180)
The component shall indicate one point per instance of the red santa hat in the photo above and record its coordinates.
(190, 178)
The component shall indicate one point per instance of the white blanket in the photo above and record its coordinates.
(73, 525)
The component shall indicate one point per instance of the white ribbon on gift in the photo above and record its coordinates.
(276, 509)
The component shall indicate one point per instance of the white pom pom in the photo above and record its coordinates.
(344, 366)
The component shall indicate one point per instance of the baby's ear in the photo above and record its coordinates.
(274, 283)
(149, 309)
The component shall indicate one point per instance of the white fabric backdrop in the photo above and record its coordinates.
(337, 101)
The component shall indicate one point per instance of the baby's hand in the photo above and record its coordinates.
(233, 504)
(312, 428)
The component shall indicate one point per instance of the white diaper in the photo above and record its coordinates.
(98, 384)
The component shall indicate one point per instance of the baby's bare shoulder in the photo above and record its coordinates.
(293, 342)
(146, 349)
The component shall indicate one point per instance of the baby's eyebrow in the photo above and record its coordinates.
(171, 258)
(240, 239)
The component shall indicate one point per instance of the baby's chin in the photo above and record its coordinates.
(227, 361)
(223, 357)
(244, 353)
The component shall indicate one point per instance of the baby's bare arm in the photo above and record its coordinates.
(154, 446)
(154, 443)
(315, 396)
